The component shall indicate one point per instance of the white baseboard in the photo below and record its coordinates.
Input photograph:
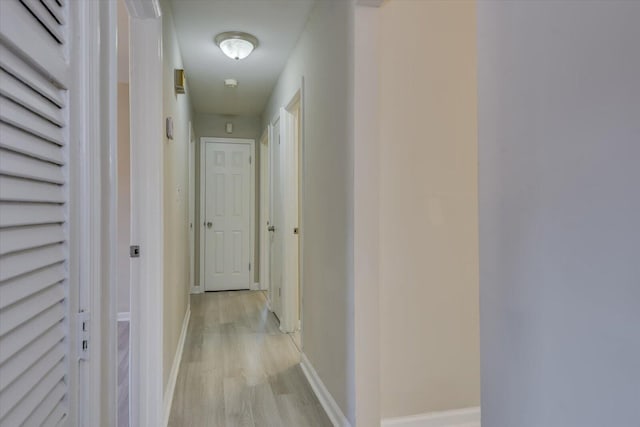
(256, 286)
(467, 417)
(196, 289)
(124, 316)
(326, 400)
(175, 367)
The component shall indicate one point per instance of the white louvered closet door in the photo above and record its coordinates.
(34, 310)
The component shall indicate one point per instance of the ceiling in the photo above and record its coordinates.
(276, 23)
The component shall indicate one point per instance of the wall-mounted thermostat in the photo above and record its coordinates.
(229, 127)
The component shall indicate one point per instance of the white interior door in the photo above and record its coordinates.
(35, 291)
(276, 225)
(227, 216)
(289, 320)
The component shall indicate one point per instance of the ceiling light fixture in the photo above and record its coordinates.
(235, 44)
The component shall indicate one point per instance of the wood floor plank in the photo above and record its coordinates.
(264, 408)
(238, 369)
(237, 402)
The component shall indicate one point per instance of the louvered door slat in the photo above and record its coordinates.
(21, 166)
(34, 210)
(46, 18)
(12, 64)
(20, 117)
(13, 215)
(34, 398)
(16, 264)
(55, 10)
(21, 94)
(13, 290)
(41, 414)
(22, 142)
(22, 311)
(22, 190)
(39, 47)
(22, 238)
(19, 337)
(53, 419)
(12, 392)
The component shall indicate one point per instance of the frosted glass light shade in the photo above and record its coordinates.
(236, 45)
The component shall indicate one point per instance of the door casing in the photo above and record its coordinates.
(192, 211)
(274, 296)
(265, 214)
(289, 122)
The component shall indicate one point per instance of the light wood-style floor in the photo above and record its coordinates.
(238, 369)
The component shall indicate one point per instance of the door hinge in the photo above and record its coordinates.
(84, 323)
(134, 251)
(279, 292)
(249, 266)
(249, 159)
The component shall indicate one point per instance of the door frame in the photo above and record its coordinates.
(297, 102)
(265, 213)
(273, 124)
(92, 383)
(252, 211)
(291, 300)
(192, 211)
(147, 213)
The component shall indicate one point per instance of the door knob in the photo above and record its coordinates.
(209, 224)
(271, 228)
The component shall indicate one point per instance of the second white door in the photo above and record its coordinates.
(227, 219)
(276, 225)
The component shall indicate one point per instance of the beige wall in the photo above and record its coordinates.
(124, 201)
(322, 55)
(213, 125)
(366, 174)
(176, 185)
(428, 207)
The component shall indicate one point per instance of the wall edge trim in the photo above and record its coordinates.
(175, 368)
(464, 417)
(320, 390)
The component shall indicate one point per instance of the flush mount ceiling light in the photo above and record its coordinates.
(235, 44)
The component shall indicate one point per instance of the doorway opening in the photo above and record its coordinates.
(285, 230)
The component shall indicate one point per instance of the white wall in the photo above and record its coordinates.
(176, 185)
(428, 242)
(213, 125)
(124, 199)
(322, 55)
(559, 141)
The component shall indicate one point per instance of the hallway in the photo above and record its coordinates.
(239, 369)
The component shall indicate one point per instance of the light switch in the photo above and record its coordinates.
(169, 127)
